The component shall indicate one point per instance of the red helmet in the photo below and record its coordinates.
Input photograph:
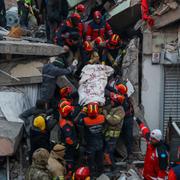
(65, 108)
(92, 109)
(80, 8)
(98, 40)
(114, 40)
(75, 18)
(82, 173)
(120, 99)
(97, 15)
(87, 46)
(65, 91)
(122, 88)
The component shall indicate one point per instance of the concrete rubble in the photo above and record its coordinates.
(14, 53)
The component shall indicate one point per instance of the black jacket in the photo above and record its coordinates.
(50, 74)
(57, 10)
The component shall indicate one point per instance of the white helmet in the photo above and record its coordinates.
(156, 134)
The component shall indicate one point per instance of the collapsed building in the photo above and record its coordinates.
(151, 64)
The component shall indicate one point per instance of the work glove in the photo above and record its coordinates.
(73, 67)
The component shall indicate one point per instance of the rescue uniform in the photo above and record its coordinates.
(156, 158)
(103, 29)
(174, 173)
(114, 122)
(69, 138)
(41, 139)
(93, 129)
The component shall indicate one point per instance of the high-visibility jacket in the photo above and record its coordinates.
(94, 30)
(68, 133)
(156, 159)
(174, 173)
(94, 131)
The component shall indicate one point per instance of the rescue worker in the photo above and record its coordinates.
(93, 128)
(98, 27)
(2, 14)
(57, 11)
(174, 173)
(38, 168)
(28, 115)
(80, 9)
(127, 129)
(114, 114)
(68, 135)
(82, 173)
(112, 53)
(50, 73)
(156, 158)
(27, 6)
(90, 56)
(56, 162)
(69, 35)
(40, 132)
(69, 31)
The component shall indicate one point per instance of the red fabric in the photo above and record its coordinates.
(93, 33)
(172, 175)
(145, 13)
(144, 129)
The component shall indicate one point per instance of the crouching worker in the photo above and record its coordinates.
(156, 158)
(40, 132)
(68, 135)
(56, 162)
(38, 168)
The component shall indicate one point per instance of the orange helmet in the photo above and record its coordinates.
(120, 99)
(99, 40)
(92, 109)
(65, 91)
(82, 173)
(80, 8)
(87, 46)
(65, 108)
(122, 88)
(114, 40)
(97, 15)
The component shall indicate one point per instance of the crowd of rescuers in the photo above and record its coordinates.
(87, 135)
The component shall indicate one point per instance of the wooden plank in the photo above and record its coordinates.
(27, 48)
(170, 17)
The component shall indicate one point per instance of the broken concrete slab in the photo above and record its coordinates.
(27, 48)
(10, 137)
(28, 72)
(168, 18)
